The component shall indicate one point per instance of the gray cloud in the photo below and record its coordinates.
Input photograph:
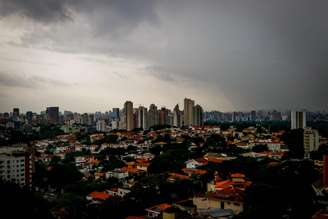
(258, 53)
(39, 10)
(26, 81)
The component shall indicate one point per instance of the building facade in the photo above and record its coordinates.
(298, 120)
(16, 165)
(177, 117)
(311, 141)
(188, 111)
(142, 118)
(128, 110)
(52, 115)
(198, 115)
(153, 116)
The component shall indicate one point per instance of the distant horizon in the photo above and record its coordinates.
(62, 110)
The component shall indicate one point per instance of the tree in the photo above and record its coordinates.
(216, 142)
(111, 138)
(62, 174)
(260, 148)
(40, 175)
(294, 140)
(17, 202)
(170, 160)
(112, 163)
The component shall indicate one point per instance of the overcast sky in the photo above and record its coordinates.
(90, 55)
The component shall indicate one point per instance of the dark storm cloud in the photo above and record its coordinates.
(257, 53)
(60, 10)
(39, 10)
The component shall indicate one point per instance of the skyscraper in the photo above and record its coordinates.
(177, 117)
(164, 116)
(298, 120)
(311, 141)
(52, 115)
(18, 164)
(253, 116)
(142, 118)
(101, 126)
(153, 116)
(16, 112)
(188, 111)
(29, 116)
(198, 115)
(128, 109)
(116, 114)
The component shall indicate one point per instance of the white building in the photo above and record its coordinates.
(117, 173)
(311, 141)
(101, 126)
(115, 125)
(192, 164)
(118, 192)
(142, 118)
(16, 165)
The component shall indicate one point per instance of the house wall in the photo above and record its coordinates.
(205, 203)
(167, 215)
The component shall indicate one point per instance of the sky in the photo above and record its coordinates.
(227, 55)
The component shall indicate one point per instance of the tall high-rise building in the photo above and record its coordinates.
(16, 165)
(116, 114)
(236, 117)
(153, 117)
(298, 120)
(311, 141)
(253, 116)
(170, 118)
(84, 118)
(52, 115)
(188, 111)
(115, 124)
(16, 112)
(91, 119)
(29, 116)
(142, 118)
(177, 117)
(198, 115)
(128, 109)
(164, 116)
(275, 116)
(135, 117)
(101, 126)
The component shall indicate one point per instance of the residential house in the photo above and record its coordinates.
(156, 211)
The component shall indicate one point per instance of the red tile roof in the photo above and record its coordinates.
(194, 171)
(130, 170)
(237, 175)
(228, 194)
(178, 176)
(135, 217)
(99, 195)
(159, 208)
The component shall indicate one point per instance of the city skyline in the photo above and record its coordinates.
(136, 106)
(228, 55)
